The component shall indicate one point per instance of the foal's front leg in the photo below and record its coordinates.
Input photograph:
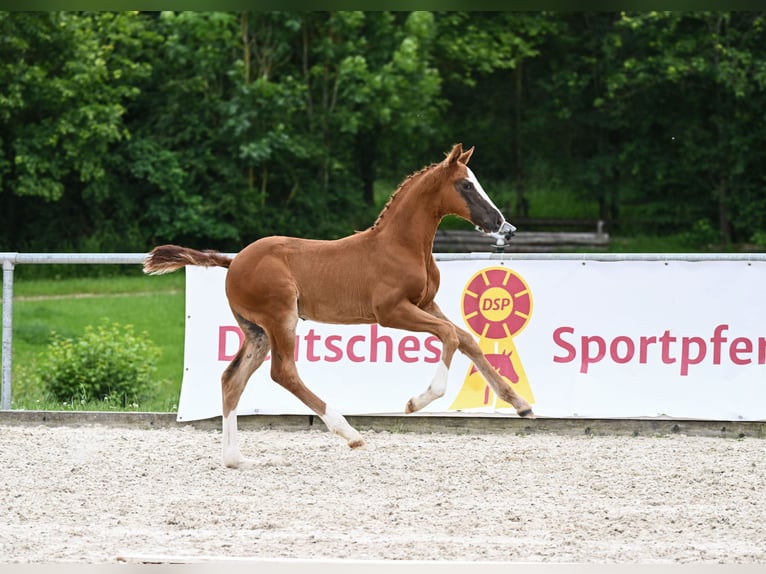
(410, 317)
(435, 390)
(470, 348)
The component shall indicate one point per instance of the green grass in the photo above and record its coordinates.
(97, 285)
(154, 305)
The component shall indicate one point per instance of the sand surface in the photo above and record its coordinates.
(95, 493)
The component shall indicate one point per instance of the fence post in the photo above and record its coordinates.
(5, 399)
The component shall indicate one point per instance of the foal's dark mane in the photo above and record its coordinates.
(402, 188)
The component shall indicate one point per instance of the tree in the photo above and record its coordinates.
(122, 130)
(394, 93)
(580, 141)
(65, 90)
(483, 58)
(690, 89)
(356, 93)
(179, 166)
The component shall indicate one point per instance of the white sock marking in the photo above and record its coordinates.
(438, 385)
(435, 390)
(338, 425)
(231, 454)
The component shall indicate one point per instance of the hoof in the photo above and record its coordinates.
(410, 407)
(527, 414)
(357, 445)
(275, 460)
(240, 463)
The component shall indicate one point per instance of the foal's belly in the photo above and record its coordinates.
(334, 302)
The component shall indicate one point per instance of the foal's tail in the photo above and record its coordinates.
(168, 258)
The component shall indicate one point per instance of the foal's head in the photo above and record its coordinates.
(462, 195)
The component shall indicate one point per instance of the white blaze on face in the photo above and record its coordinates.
(472, 178)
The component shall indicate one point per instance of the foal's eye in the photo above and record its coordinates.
(467, 185)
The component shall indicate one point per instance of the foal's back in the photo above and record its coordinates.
(326, 280)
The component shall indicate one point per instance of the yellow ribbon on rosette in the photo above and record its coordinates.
(496, 306)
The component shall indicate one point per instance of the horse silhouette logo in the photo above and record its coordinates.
(496, 306)
(503, 365)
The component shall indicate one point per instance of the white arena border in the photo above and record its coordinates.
(334, 566)
(447, 423)
(233, 565)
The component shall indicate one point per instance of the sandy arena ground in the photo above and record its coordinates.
(94, 493)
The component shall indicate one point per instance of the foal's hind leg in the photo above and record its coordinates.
(233, 381)
(285, 373)
(469, 347)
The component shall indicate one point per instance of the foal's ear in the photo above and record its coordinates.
(466, 155)
(454, 156)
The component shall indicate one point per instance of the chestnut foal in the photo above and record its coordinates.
(385, 274)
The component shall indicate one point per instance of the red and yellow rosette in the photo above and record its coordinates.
(496, 306)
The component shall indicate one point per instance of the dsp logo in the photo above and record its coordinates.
(496, 306)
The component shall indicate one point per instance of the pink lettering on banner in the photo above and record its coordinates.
(591, 350)
(591, 354)
(334, 349)
(350, 352)
(628, 349)
(693, 351)
(226, 336)
(376, 341)
(739, 346)
(373, 347)
(409, 349)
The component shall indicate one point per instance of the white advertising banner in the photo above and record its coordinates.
(576, 338)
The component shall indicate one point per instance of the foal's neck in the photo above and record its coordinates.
(412, 214)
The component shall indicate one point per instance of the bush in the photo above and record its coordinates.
(701, 234)
(759, 239)
(109, 362)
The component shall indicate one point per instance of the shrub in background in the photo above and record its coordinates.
(702, 234)
(108, 362)
(759, 239)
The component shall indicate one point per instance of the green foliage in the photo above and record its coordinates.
(109, 362)
(643, 243)
(121, 130)
(67, 78)
(690, 87)
(759, 239)
(701, 235)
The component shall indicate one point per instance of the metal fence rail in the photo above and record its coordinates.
(11, 259)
